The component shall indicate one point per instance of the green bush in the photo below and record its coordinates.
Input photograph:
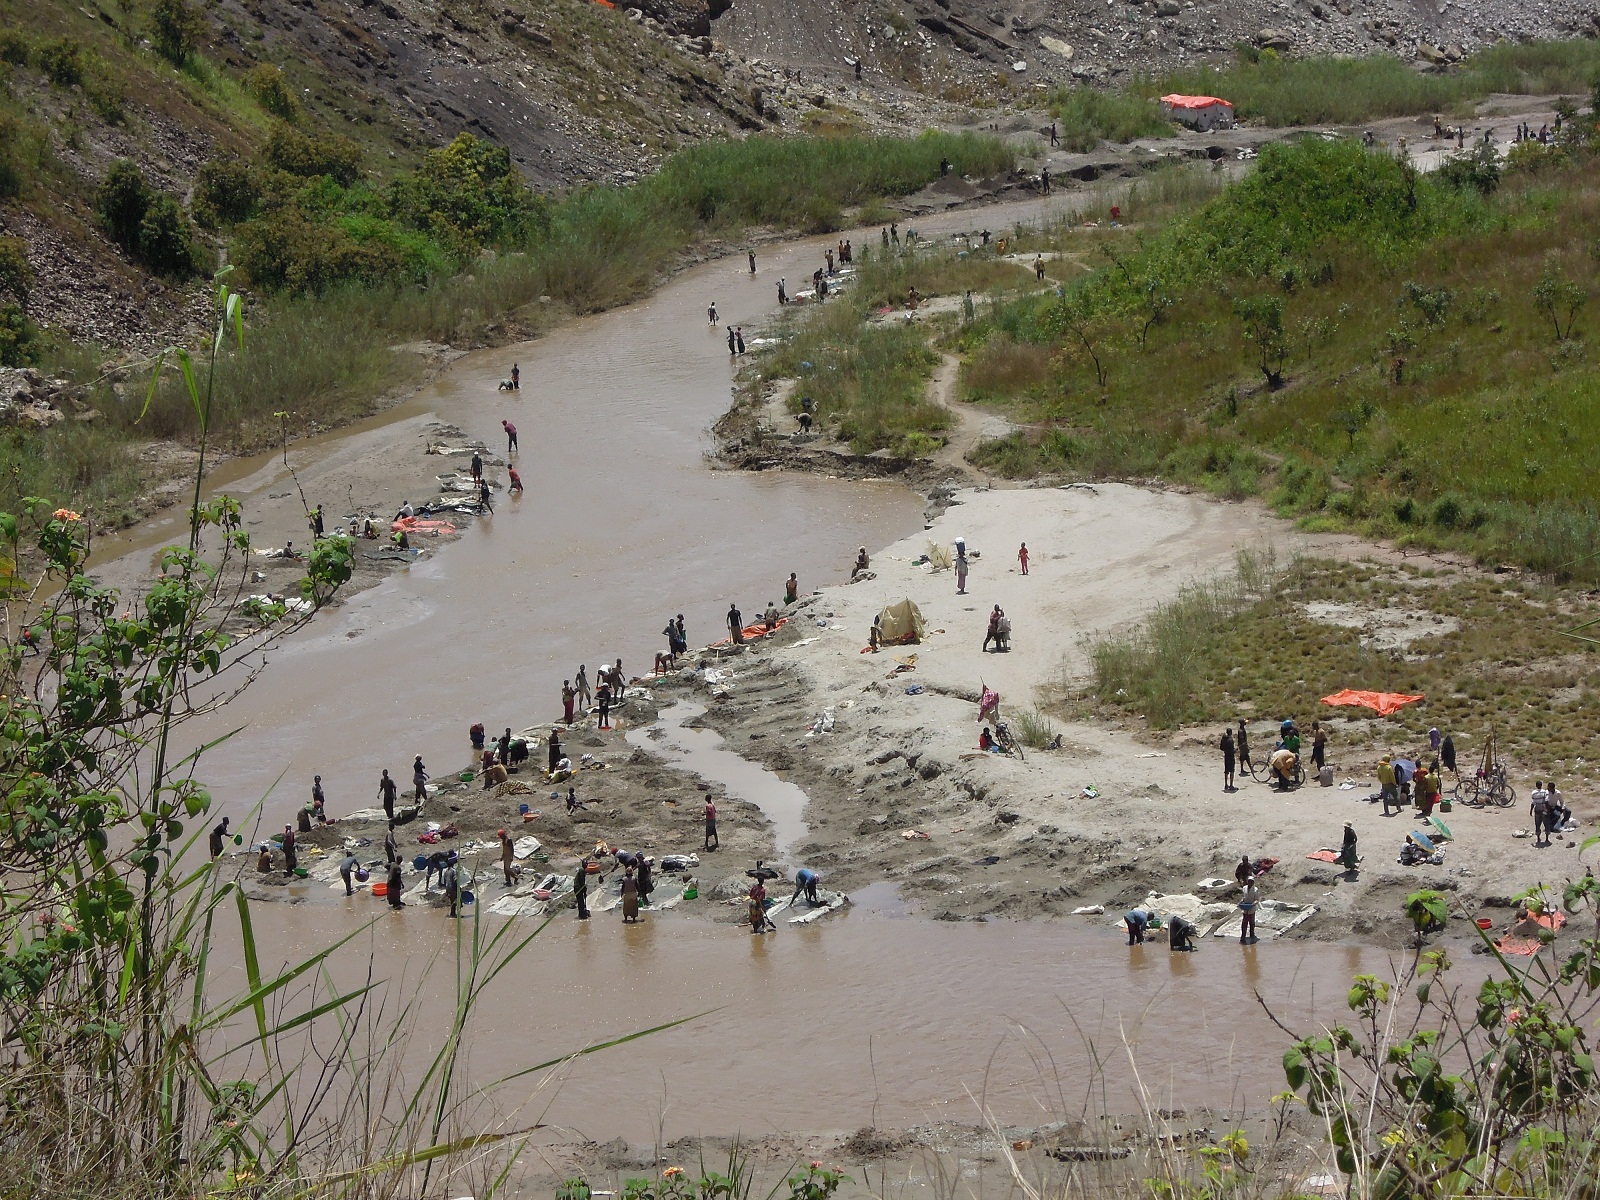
(469, 194)
(287, 251)
(61, 61)
(175, 29)
(19, 341)
(166, 238)
(148, 225)
(16, 276)
(271, 91)
(309, 156)
(10, 172)
(226, 191)
(15, 47)
(121, 202)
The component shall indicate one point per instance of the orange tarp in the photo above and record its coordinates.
(1382, 703)
(1177, 101)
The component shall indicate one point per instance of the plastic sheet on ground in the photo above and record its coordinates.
(525, 847)
(832, 902)
(1382, 703)
(1274, 918)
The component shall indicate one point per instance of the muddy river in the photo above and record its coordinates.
(868, 1016)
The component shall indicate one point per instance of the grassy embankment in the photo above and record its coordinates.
(1484, 651)
(323, 355)
(1370, 349)
(867, 370)
(1267, 89)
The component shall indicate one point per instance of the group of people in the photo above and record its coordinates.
(1282, 764)
(1549, 810)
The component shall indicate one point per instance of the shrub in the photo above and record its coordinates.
(15, 48)
(469, 192)
(16, 276)
(226, 191)
(121, 202)
(19, 345)
(271, 91)
(61, 61)
(308, 156)
(10, 173)
(1477, 169)
(166, 238)
(286, 251)
(175, 29)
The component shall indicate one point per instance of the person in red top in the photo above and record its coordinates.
(511, 436)
(516, 483)
(1022, 557)
(711, 826)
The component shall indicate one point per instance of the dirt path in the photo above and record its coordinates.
(973, 425)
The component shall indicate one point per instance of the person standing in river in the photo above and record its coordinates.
(646, 880)
(735, 625)
(683, 636)
(1227, 761)
(752, 262)
(733, 346)
(477, 467)
(783, 292)
(516, 378)
(291, 860)
(630, 898)
(580, 888)
(391, 848)
(580, 684)
(511, 436)
(387, 790)
(397, 884)
(568, 699)
(738, 337)
(218, 837)
(711, 313)
(791, 588)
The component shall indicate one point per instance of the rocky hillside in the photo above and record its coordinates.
(577, 91)
(933, 44)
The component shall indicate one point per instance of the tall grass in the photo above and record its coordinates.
(1329, 90)
(1150, 669)
(1087, 116)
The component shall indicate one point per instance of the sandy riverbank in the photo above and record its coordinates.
(1021, 838)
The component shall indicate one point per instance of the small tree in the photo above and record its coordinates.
(16, 277)
(1074, 318)
(1262, 317)
(1559, 298)
(121, 202)
(175, 29)
(166, 239)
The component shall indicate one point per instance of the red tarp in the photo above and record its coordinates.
(1383, 703)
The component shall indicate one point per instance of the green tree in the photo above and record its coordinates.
(1262, 318)
(175, 29)
(166, 238)
(1559, 299)
(226, 191)
(468, 195)
(271, 90)
(308, 157)
(121, 202)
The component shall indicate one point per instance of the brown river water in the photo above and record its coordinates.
(869, 1016)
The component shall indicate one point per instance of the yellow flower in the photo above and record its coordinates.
(672, 1172)
(66, 514)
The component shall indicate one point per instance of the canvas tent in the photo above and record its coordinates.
(901, 623)
(1198, 112)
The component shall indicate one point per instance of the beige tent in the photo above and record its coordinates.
(901, 623)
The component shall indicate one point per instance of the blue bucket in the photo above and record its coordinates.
(419, 863)
(467, 897)
(522, 808)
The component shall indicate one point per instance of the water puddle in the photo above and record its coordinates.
(704, 753)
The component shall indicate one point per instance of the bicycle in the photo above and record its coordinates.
(1490, 787)
(1262, 773)
(1006, 741)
